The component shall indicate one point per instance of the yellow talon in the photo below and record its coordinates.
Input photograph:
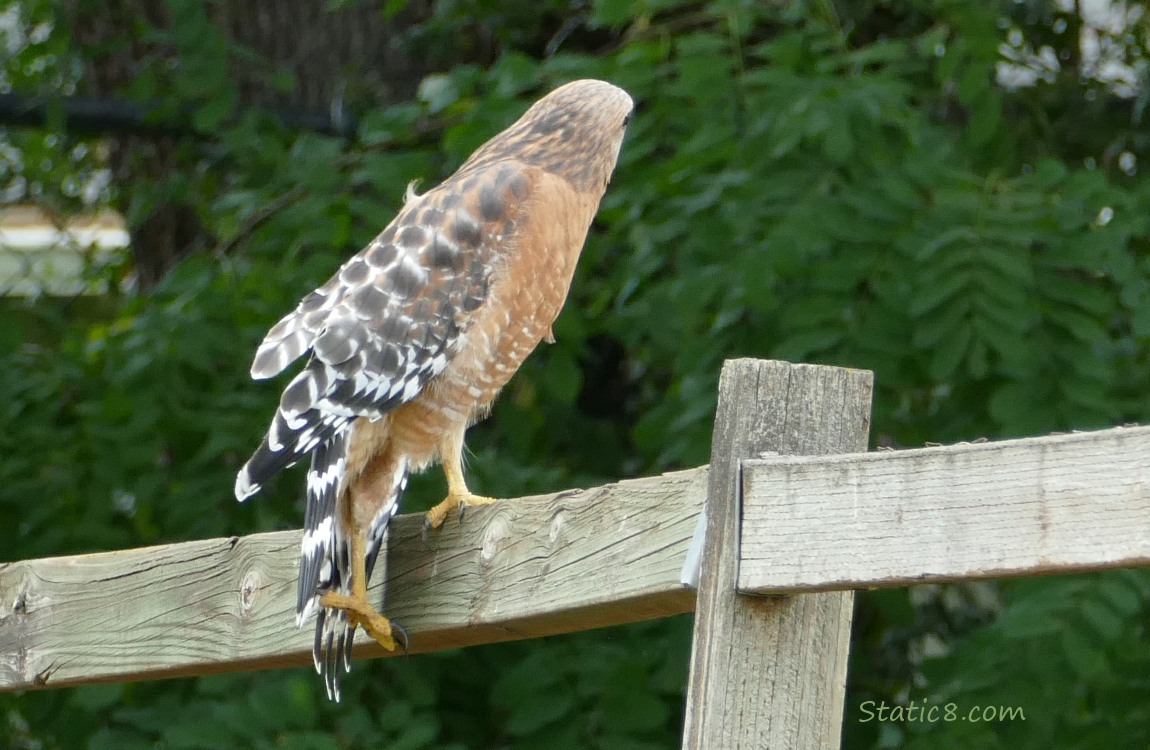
(359, 610)
(458, 496)
(435, 517)
(360, 613)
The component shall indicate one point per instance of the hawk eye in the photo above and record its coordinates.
(627, 119)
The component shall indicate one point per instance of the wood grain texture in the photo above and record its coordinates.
(1053, 504)
(518, 569)
(770, 673)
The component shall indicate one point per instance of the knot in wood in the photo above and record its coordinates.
(557, 524)
(249, 589)
(496, 532)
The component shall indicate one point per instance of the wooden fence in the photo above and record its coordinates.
(788, 510)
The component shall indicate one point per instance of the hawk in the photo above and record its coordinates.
(412, 339)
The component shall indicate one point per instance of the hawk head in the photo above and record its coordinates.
(575, 132)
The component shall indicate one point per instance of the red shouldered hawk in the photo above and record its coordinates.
(415, 335)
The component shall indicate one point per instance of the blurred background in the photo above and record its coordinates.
(945, 192)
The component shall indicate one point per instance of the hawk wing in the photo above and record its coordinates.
(384, 325)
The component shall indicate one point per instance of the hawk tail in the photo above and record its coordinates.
(325, 551)
(377, 531)
(325, 561)
(325, 558)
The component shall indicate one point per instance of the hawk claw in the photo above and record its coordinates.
(399, 633)
(435, 517)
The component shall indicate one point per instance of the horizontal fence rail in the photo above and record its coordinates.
(521, 569)
(1054, 504)
(589, 558)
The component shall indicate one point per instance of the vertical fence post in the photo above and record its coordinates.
(770, 672)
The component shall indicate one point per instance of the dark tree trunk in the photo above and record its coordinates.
(338, 58)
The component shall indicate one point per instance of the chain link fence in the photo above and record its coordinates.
(45, 255)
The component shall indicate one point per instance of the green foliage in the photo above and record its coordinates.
(844, 185)
(51, 167)
(1078, 651)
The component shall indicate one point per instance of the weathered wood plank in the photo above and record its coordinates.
(526, 568)
(770, 673)
(1052, 504)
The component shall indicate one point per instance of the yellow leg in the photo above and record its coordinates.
(458, 496)
(359, 610)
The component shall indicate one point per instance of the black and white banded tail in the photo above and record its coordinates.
(325, 556)
(325, 560)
